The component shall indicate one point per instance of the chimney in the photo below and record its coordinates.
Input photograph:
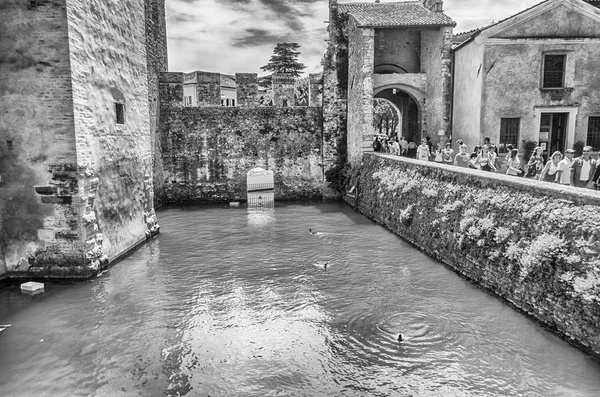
(433, 5)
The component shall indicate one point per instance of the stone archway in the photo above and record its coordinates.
(409, 101)
(386, 117)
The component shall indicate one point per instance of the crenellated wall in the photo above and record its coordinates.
(207, 151)
(531, 243)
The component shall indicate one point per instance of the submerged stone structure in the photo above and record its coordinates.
(78, 91)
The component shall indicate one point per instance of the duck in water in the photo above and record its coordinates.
(400, 337)
(312, 231)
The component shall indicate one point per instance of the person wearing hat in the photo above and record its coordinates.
(583, 168)
(564, 168)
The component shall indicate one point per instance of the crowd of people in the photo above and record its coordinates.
(564, 169)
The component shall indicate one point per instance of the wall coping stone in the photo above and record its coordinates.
(578, 195)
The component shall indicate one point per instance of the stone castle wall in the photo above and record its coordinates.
(37, 141)
(76, 184)
(207, 151)
(157, 62)
(114, 157)
(533, 244)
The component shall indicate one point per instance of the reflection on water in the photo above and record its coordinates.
(261, 208)
(210, 309)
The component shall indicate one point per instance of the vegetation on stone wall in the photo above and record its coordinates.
(537, 250)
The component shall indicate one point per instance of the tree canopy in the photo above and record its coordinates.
(285, 60)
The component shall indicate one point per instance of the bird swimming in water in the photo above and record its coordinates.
(312, 231)
(400, 337)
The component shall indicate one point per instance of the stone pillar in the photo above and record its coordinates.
(247, 89)
(446, 83)
(171, 89)
(283, 90)
(315, 89)
(361, 49)
(208, 88)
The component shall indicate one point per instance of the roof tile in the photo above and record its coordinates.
(406, 13)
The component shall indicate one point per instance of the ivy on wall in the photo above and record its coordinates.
(537, 250)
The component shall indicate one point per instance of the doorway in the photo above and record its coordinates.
(553, 132)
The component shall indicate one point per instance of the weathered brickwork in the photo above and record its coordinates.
(111, 69)
(533, 244)
(37, 135)
(156, 53)
(208, 151)
(208, 89)
(283, 90)
(335, 96)
(361, 49)
(247, 89)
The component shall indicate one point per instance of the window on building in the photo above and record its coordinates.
(222, 102)
(187, 100)
(554, 71)
(593, 135)
(509, 133)
(233, 102)
(120, 113)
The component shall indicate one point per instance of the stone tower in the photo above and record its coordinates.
(78, 90)
(156, 53)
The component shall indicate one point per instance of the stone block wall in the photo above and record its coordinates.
(361, 48)
(283, 90)
(157, 62)
(531, 243)
(208, 89)
(109, 68)
(247, 89)
(315, 87)
(37, 140)
(208, 151)
(335, 99)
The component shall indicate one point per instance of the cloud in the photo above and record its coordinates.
(230, 36)
(256, 37)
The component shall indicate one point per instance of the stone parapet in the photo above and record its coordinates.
(532, 243)
(171, 89)
(315, 87)
(283, 90)
(247, 89)
(208, 89)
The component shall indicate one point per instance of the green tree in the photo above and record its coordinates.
(285, 60)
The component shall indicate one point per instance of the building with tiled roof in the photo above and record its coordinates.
(226, 84)
(405, 13)
(531, 77)
(397, 54)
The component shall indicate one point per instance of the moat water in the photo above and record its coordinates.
(237, 302)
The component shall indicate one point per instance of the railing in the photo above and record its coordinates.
(259, 186)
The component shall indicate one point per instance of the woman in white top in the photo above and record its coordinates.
(514, 165)
(549, 172)
(423, 151)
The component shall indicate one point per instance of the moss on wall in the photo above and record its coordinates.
(207, 151)
(531, 243)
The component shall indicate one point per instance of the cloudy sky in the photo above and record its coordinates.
(238, 36)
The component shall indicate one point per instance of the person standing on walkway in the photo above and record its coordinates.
(448, 154)
(549, 172)
(535, 163)
(514, 164)
(583, 168)
(462, 158)
(564, 168)
(403, 147)
(423, 152)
